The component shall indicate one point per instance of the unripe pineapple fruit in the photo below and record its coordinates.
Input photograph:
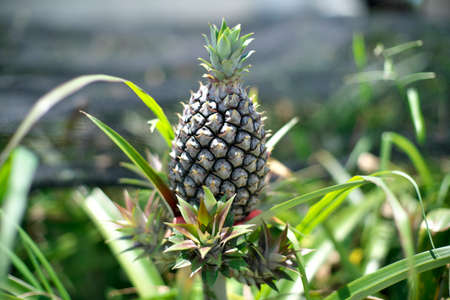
(220, 139)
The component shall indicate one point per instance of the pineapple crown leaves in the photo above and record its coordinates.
(205, 237)
(226, 52)
(269, 258)
(145, 227)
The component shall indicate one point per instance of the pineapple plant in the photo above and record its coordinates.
(218, 168)
(220, 139)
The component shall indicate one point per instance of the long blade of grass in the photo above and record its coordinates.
(5, 174)
(28, 242)
(359, 51)
(142, 272)
(17, 286)
(288, 204)
(401, 219)
(8, 296)
(21, 267)
(133, 168)
(322, 209)
(136, 182)
(23, 165)
(410, 78)
(342, 223)
(163, 125)
(37, 268)
(280, 134)
(300, 261)
(363, 145)
(443, 190)
(389, 138)
(140, 162)
(47, 101)
(401, 48)
(391, 274)
(416, 114)
(419, 197)
(360, 58)
(337, 171)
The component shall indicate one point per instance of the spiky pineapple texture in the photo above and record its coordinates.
(220, 139)
(209, 242)
(146, 227)
(266, 258)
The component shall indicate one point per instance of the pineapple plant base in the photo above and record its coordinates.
(220, 138)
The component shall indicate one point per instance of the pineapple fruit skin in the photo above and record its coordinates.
(220, 143)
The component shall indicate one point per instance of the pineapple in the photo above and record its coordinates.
(220, 138)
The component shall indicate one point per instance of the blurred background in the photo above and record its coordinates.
(304, 66)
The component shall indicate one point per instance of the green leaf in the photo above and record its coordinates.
(401, 219)
(136, 182)
(209, 276)
(34, 250)
(410, 78)
(359, 51)
(188, 230)
(140, 162)
(209, 199)
(204, 251)
(343, 224)
(204, 218)
(5, 174)
(302, 199)
(391, 274)
(21, 167)
(337, 172)
(401, 48)
(443, 190)
(322, 209)
(142, 273)
(187, 211)
(47, 101)
(300, 262)
(222, 215)
(389, 138)
(223, 47)
(280, 133)
(237, 231)
(364, 144)
(416, 114)
(21, 267)
(163, 125)
(37, 268)
(184, 245)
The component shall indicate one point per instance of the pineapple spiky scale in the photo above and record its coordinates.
(220, 143)
(220, 139)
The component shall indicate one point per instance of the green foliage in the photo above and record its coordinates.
(17, 175)
(271, 143)
(389, 275)
(390, 138)
(43, 281)
(46, 102)
(142, 273)
(355, 217)
(139, 162)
